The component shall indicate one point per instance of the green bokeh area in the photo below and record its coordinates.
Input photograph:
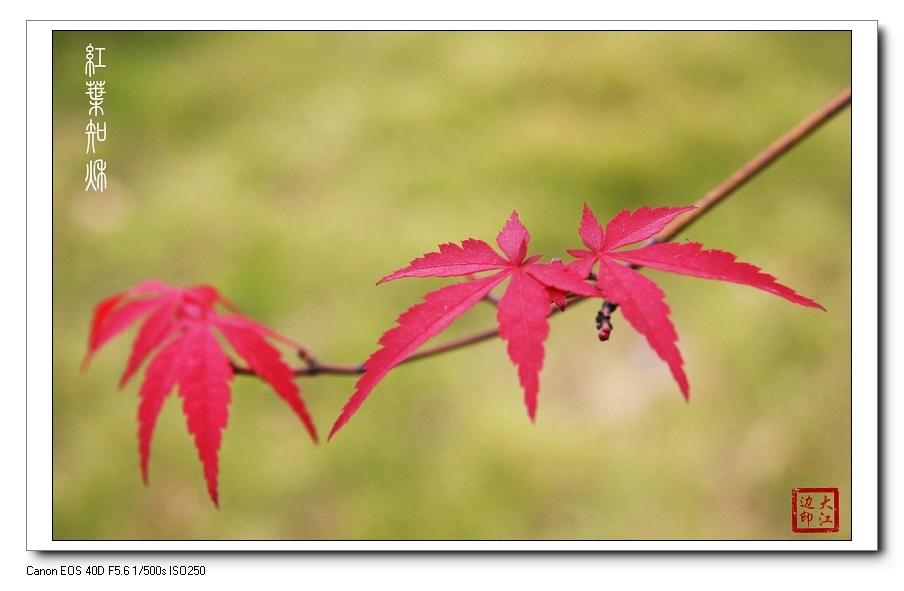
(295, 169)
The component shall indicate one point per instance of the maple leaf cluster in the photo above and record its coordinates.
(181, 323)
(526, 303)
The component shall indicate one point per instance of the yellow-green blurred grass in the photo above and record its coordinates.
(293, 170)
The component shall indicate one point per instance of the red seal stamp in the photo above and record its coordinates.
(814, 510)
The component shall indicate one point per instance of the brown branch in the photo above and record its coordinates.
(312, 368)
(680, 223)
(485, 335)
(756, 165)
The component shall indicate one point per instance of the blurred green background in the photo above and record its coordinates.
(294, 169)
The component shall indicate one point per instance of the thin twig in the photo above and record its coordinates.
(462, 342)
(756, 165)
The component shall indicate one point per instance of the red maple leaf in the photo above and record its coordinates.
(180, 325)
(641, 301)
(521, 313)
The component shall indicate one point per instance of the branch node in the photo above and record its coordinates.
(313, 366)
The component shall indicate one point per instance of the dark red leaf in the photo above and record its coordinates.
(590, 230)
(557, 297)
(110, 318)
(415, 327)
(521, 314)
(584, 265)
(160, 378)
(641, 301)
(522, 322)
(473, 256)
(156, 329)
(265, 360)
(561, 277)
(627, 228)
(643, 305)
(687, 258)
(513, 239)
(204, 376)
(180, 328)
